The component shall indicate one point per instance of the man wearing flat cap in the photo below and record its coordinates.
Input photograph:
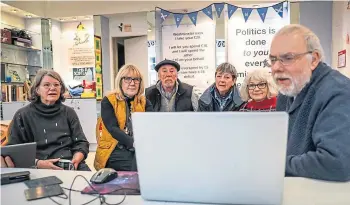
(170, 94)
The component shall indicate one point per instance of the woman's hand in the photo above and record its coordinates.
(6, 162)
(48, 164)
(77, 158)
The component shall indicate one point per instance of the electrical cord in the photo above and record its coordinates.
(99, 196)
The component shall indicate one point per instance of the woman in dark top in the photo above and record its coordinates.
(223, 95)
(54, 126)
(259, 91)
(115, 141)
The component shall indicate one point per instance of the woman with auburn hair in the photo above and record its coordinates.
(259, 91)
(116, 143)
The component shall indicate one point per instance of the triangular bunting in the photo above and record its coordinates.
(208, 11)
(279, 9)
(193, 17)
(163, 15)
(178, 18)
(219, 7)
(262, 13)
(246, 13)
(231, 10)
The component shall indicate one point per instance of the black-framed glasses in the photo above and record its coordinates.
(259, 85)
(286, 59)
(129, 79)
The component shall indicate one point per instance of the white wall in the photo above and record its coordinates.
(139, 27)
(321, 25)
(56, 44)
(12, 20)
(341, 27)
(137, 20)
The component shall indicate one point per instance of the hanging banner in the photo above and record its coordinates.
(193, 47)
(246, 13)
(208, 11)
(163, 15)
(219, 7)
(249, 42)
(262, 13)
(193, 17)
(279, 9)
(178, 18)
(231, 10)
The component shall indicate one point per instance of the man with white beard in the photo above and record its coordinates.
(317, 99)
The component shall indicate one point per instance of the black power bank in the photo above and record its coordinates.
(14, 177)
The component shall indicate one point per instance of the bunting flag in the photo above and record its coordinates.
(246, 13)
(208, 11)
(231, 10)
(262, 13)
(219, 7)
(178, 18)
(163, 15)
(193, 17)
(279, 9)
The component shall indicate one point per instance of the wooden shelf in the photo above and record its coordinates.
(10, 26)
(33, 66)
(13, 83)
(15, 47)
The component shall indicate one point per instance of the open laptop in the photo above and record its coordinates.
(22, 155)
(221, 158)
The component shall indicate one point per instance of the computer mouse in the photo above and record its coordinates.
(103, 176)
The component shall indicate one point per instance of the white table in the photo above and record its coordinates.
(297, 191)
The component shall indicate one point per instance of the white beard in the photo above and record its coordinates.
(297, 84)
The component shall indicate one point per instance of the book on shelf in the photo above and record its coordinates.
(11, 93)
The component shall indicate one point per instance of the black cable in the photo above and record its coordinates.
(100, 196)
(66, 197)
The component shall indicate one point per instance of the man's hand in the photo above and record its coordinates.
(6, 162)
(77, 158)
(48, 164)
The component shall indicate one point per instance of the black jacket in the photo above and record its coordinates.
(55, 128)
(183, 100)
(208, 103)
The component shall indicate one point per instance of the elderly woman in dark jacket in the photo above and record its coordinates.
(54, 126)
(223, 95)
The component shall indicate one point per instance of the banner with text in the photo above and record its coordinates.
(249, 42)
(193, 47)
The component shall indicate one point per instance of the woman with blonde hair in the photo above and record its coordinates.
(259, 91)
(116, 143)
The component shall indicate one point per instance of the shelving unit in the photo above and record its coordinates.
(18, 65)
(16, 47)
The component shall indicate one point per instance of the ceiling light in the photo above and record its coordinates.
(61, 19)
(87, 17)
(14, 10)
(149, 30)
(29, 16)
(74, 18)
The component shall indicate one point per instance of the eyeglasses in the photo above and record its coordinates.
(285, 59)
(129, 79)
(49, 85)
(259, 85)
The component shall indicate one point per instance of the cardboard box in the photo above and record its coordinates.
(6, 36)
